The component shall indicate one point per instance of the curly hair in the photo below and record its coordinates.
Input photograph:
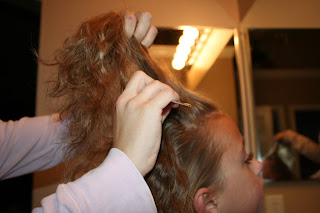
(95, 65)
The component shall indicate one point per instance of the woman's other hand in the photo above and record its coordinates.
(139, 25)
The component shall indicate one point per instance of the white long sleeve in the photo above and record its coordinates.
(30, 144)
(115, 186)
(33, 144)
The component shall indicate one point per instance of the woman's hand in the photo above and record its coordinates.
(140, 111)
(304, 145)
(139, 25)
(291, 137)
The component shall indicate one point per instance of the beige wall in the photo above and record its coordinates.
(219, 85)
(59, 18)
(299, 197)
(283, 14)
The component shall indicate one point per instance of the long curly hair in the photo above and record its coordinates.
(94, 66)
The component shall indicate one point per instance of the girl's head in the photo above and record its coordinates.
(242, 191)
(201, 150)
(203, 167)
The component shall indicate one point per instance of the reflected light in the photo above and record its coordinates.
(191, 60)
(198, 47)
(203, 37)
(212, 47)
(236, 40)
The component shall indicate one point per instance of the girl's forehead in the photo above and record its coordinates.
(227, 131)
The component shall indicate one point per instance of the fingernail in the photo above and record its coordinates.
(129, 16)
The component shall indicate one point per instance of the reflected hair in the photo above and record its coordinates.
(94, 66)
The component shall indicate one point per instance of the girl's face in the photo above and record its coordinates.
(243, 191)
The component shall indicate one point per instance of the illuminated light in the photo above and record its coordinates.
(178, 65)
(182, 49)
(187, 41)
(180, 57)
(210, 51)
(191, 32)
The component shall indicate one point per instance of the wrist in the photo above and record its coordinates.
(136, 161)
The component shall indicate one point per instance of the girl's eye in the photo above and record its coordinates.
(249, 159)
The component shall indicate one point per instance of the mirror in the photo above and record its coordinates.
(286, 85)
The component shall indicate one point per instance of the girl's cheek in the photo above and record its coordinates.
(259, 187)
(258, 182)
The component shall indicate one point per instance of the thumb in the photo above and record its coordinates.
(166, 111)
(278, 136)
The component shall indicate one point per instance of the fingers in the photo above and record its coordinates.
(157, 94)
(143, 25)
(286, 136)
(140, 110)
(149, 38)
(166, 111)
(139, 25)
(143, 90)
(163, 100)
(278, 136)
(137, 82)
(130, 22)
(316, 175)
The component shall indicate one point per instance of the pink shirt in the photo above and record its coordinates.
(33, 144)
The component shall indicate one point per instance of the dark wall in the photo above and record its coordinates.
(19, 35)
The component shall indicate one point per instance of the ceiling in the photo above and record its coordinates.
(271, 48)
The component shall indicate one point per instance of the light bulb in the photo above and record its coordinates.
(178, 65)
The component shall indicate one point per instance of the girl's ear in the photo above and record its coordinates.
(203, 202)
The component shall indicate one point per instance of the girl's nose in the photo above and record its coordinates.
(257, 166)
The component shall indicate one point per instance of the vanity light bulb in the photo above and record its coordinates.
(186, 40)
(191, 32)
(177, 64)
(183, 50)
(180, 57)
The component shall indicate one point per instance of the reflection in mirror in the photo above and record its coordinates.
(208, 62)
(286, 85)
